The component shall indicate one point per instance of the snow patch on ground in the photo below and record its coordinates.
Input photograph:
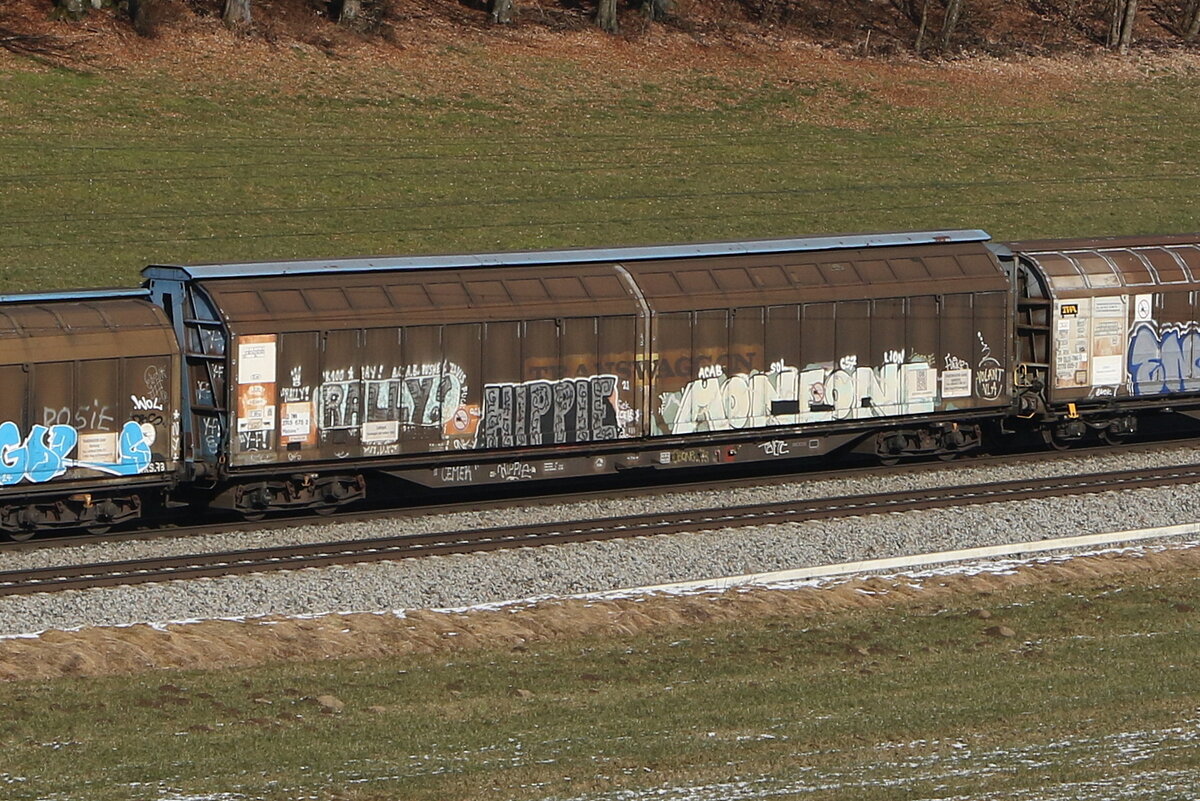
(929, 768)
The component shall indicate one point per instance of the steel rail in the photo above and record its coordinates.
(557, 496)
(402, 546)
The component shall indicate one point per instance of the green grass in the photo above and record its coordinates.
(101, 174)
(1095, 695)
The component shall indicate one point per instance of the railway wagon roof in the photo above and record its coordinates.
(80, 325)
(1110, 265)
(563, 283)
(356, 300)
(812, 277)
(531, 258)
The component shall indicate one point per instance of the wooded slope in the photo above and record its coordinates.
(871, 28)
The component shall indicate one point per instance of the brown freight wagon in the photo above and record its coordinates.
(1107, 328)
(89, 408)
(303, 376)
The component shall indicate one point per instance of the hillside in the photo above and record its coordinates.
(433, 130)
(108, 36)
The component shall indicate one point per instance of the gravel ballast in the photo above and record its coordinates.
(458, 581)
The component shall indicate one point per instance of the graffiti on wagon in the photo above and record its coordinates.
(47, 452)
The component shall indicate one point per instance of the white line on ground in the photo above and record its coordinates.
(920, 560)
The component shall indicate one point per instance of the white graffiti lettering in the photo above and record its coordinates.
(513, 471)
(789, 396)
(775, 447)
(94, 416)
(456, 474)
(155, 379)
(424, 395)
(955, 363)
(989, 378)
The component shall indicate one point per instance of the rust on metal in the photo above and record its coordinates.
(91, 392)
(374, 364)
(1122, 314)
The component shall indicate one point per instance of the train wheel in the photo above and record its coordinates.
(28, 521)
(891, 449)
(1114, 437)
(107, 513)
(1053, 442)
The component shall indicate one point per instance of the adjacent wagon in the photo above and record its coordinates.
(89, 413)
(1107, 329)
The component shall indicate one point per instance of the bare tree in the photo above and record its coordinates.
(657, 9)
(236, 13)
(922, 26)
(1189, 22)
(1120, 29)
(953, 11)
(502, 11)
(70, 9)
(349, 12)
(606, 16)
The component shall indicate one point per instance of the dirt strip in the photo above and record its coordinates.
(222, 644)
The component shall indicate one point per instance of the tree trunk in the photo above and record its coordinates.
(502, 11)
(953, 9)
(72, 9)
(1127, 26)
(606, 16)
(1193, 23)
(350, 11)
(1114, 24)
(236, 13)
(142, 12)
(921, 30)
(656, 10)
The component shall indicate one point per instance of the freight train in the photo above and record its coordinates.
(274, 386)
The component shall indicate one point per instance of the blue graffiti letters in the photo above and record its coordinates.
(40, 456)
(1164, 361)
(133, 453)
(45, 452)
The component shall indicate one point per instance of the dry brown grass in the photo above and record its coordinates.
(223, 644)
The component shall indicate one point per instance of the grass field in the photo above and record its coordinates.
(1094, 697)
(1067, 692)
(103, 173)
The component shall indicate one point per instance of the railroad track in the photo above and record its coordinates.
(819, 471)
(470, 541)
